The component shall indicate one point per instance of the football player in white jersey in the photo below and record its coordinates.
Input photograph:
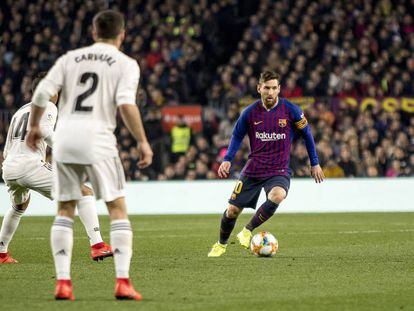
(25, 170)
(94, 82)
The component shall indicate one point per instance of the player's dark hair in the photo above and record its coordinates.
(269, 75)
(108, 24)
(37, 78)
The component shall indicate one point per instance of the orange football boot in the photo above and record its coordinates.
(125, 291)
(6, 258)
(100, 251)
(64, 290)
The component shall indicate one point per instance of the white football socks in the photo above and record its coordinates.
(8, 228)
(89, 217)
(61, 239)
(121, 242)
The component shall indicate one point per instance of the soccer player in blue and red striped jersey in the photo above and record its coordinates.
(270, 124)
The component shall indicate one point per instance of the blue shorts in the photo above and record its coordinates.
(247, 190)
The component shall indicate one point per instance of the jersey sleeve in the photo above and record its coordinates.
(239, 131)
(128, 84)
(299, 118)
(302, 126)
(51, 84)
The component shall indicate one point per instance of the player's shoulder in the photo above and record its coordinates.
(289, 104)
(25, 107)
(249, 108)
(130, 62)
(293, 108)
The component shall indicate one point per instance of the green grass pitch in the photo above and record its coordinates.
(360, 261)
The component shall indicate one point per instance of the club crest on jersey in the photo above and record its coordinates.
(282, 122)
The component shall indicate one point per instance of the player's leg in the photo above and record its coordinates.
(108, 181)
(267, 209)
(276, 190)
(38, 178)
(121, 241)
(227, 223)
(89, 218)
(20, 199)
(61, 240)
(67, 182)
(245, 194)
(41, 182)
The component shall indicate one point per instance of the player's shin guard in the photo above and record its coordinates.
(8, 228)
(265, 211)
(62, 242)
(89, 217)
(121, 242)
(226, 227)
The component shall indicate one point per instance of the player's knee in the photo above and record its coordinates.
(67, 209)
(117, 209)
(277, 195)
(20, 207)
(86, 191)
(233, 211)
(23, 206)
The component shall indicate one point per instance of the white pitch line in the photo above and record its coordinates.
(287, 233)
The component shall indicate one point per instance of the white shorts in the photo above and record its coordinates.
(39, 179)
(107, 178)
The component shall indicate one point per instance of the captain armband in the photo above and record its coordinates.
(302, 123)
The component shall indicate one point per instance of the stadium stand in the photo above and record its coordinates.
(350, 65)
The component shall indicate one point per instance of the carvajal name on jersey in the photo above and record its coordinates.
(95, 57)
(263, 136)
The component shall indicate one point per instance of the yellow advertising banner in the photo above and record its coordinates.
(389, 104)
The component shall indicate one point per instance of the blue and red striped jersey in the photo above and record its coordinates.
(270, 135)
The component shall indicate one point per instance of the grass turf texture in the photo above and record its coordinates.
(325, 262)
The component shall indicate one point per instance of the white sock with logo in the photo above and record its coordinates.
(121, 242)
(61, 239)
(89, 217)
(8, 228)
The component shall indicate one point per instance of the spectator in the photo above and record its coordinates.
(348, 166)
(333, 170)
(181, 138)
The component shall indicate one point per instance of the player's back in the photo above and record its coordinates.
(18, 157)
(94, 81)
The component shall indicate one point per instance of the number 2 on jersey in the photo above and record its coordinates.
(82, 81)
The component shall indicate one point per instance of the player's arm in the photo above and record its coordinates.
(125, 100)
(239, 131)
(47, 124)
(48, 87)
(303, 128)
(133, 121)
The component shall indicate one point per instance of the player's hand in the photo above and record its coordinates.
(33, 138)
(145, 155)
(224, 169)
(317, 173)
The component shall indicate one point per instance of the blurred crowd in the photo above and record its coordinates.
(323, 48)
(211, 53)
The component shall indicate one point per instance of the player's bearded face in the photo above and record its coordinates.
(269, 92)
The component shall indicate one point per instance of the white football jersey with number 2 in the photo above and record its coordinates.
(92, 81)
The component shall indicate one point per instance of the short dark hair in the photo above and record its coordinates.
(269, 75)
(37, 78)
(108, 24)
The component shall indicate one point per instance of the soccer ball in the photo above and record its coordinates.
(264, 244)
